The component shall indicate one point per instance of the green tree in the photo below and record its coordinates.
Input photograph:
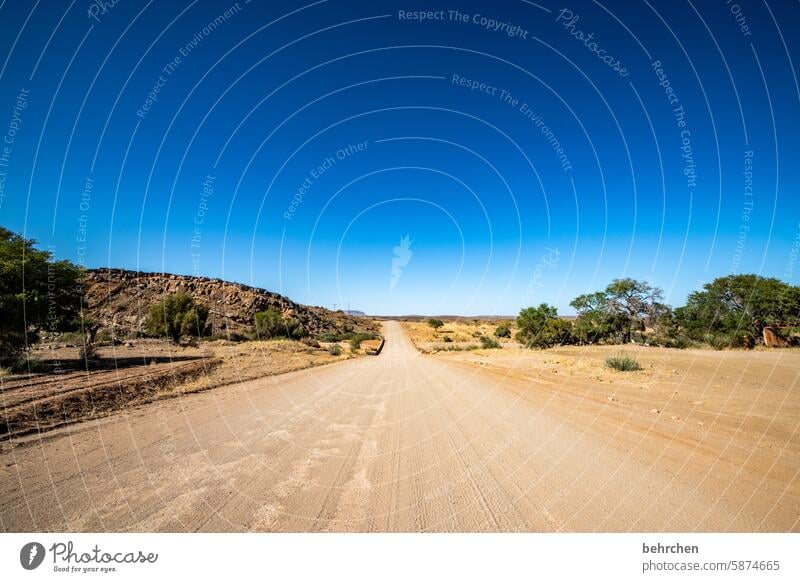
(271, 324)
(635, 300)
(735, 309)
(596, 322)
(36, 293)
(435, 323)
(175, 316)
(540, 327)
(596, 302)
(615, 313)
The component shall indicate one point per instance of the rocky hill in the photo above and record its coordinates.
(119, 301)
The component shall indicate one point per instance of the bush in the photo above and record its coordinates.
(540, 327)
(503, 330)
(272, 324)
(295, 329)
(335, 350)
(269, 323)
(447, 339)
(346, 336)
(531, 322)
(435, 323)
(678, 343)
(177, 315)
(623, 363)
(488, 343)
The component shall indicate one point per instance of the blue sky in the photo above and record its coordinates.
(293, 145)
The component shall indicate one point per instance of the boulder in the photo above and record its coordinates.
(773, 339)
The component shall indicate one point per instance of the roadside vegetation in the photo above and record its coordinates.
(272, 323)
(737, 311)
(177, 316)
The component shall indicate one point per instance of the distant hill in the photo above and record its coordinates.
(414, 317)
(119, 300)
(355, 312)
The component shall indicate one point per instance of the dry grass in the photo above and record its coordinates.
(462, 334)
(623, 363)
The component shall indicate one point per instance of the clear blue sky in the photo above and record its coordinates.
(270, 100)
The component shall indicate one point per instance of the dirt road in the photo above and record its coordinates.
(398, 442)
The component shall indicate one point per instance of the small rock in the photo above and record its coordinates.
(673, 417)
(654, 411)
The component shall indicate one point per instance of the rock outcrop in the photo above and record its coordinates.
(773, 339)
(119, 300)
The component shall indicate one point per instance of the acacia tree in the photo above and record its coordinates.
(624, 305)
(435, 323)
(36, 293)
(596, 324)
(634, 300)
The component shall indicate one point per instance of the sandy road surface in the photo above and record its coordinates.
(399, 442)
